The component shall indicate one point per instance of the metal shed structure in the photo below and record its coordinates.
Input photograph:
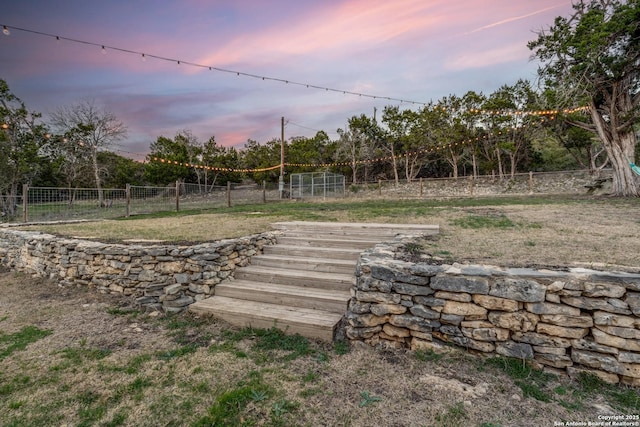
(316, 184)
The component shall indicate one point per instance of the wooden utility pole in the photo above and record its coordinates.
(281, 180)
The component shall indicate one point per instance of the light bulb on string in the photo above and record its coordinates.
(5, 30)
(144, 58)
(104, 51)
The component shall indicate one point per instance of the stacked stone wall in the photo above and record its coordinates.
(168, 277)
(566, 321)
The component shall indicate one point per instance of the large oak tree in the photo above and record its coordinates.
(594, 57)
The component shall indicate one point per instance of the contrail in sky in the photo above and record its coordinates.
(506, 21)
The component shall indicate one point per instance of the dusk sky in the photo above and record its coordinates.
(415, 50)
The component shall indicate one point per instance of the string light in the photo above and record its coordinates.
(5, 30)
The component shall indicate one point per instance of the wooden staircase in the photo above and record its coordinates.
(301, 284)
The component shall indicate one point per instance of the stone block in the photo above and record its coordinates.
(628, 357)
(358, 307)
(605, 363)
(609, 290)
(382, 309)
(413, 322)
(453, 296)
(393, 274)
(355, 333)
(380, 297)
(173, 289)
(451, 319)
(518, 289)
(199, 289)
(617, 331)
(486, 347)
(515, 349)
(612, 341)
(586, 344)
(426, 345)
(427, 336)
(520, 321)
(567, 321)
(422, 311)
(562, 332)
(611, 305)
(450, 330)
(633, 300)
(495, 303)
(550, 308)
(395, 331)
(460, 284)
(604, 318)
(366, 320)
(368, 283)
(429, 301)
(575, 372)
(558, 351)
(410, 289)
(535, 338)
(469, 311)
(183, 301)
(486, 334)
(554, 298)
(554, 360)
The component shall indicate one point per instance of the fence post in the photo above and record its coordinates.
(127, 197)
(379, 187)
(530, 182)
(471, 184)
(421, 187)
(229, 194)
(177, 196)
(264, 191)
(25, 204)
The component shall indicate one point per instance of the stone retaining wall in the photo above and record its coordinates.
(563, 321)
(168, 277)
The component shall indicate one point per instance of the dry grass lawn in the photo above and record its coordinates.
(71, 356)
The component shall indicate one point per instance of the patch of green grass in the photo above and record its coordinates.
(428, 355)
(20, 340)
(341, 347)
(272, 339)
(118, 419)
(623, 398)
(367, 399)
(455, 415)
(484, 221)
(532, 382)
(229, 406)
(176, 352)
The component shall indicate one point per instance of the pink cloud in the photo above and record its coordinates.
(333, 28)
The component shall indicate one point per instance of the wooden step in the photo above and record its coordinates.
(317, 324)
(294, 296)
(340, 266)
(354, 229)
(327, 242)
(309, 251)
(312, 279)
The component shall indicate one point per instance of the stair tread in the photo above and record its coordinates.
(296, 273)
(355, 225)
(261, 310)
(319, 249)
(306, 259)
(292, 290)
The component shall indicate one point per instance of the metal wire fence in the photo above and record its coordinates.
(53, 204)
(41, 204)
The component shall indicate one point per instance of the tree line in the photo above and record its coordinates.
(589, 59)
